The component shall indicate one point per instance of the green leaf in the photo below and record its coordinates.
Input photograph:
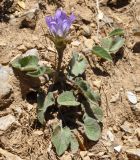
(28, 63)
(67, 99)
(116, 32)
(74, 145)
(77, 64)
(92, 128)
(106, 43)
(97, 111)
(43, 103)
(101, 52)
(93, 110)
(117, 44)
(86, 90)
(61, 138)
(39, 72)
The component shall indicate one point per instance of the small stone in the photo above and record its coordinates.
(3, 74)
(30, 18)
(8, 155)
(75, 43)
(118, 148)
(110, 135)
(5, 88)
(136, 109)
(133, 154)
(39, 133)
(22, 48)
(88, 43)
(31, 52)
(85, 15)
(115, 98)
(86, 158)
(137, 90)
(138, 132)
(83, 154)
(6, 122)
(132, 97)
(66, 157)
(86, 31)
(127, 127)
(97, 83)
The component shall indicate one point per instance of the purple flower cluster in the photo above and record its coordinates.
(60, 23)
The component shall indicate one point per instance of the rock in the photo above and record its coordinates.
(5, 88)
(138, 132)
(22, 48)
(31, 52)
(136, 109)
(97, 83)
(8, 155)
(133, 154)
(83, 154)
(110, 136)
(131, 97)
(137, 89)
(127, 127)
(118, 148)
(115, 98)
(66, 157)
(6, 122)
(38, 133)
(88, 43)
(86, 158)
(75, 43)
(85, 15)
(86, 31)
(30, 18)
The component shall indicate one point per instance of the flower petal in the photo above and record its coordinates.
(72, 18)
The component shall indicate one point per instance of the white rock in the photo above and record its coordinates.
(131, 97)
(6, 122)
(110, 135)
(75, 43)
(8, 155)
(3, 74)
(31, 52)
(118, 148)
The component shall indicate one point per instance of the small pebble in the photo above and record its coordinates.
(132, 97)
(118, 148)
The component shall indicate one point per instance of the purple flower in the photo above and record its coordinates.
(60, 23)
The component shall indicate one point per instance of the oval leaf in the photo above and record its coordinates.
(74, 145)
(86, 90)
(101, 52)
(43, 103)
(77, 64)
(117, 32)
(67, 99)
(92, 128)
(117, 44)
(106, 43)
(28, 63)
(39, 72)
(61, 138)
(97, 111)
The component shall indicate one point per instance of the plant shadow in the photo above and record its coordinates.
(136, 47)
(117, 4)
(97, 71)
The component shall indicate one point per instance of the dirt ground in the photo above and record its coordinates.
(22, 27)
